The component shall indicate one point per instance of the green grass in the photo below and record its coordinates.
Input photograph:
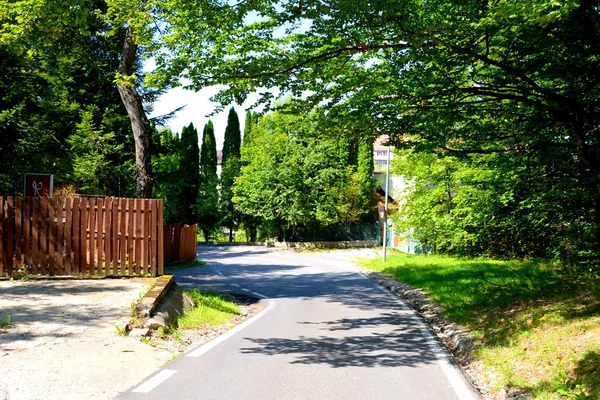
(195, 263)
(211, 309)
(5, 322)
(537, 328)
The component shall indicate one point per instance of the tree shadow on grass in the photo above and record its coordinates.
(582, 383)
(500, 300)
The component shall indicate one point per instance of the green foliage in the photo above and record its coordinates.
(495, 204)
(230, 169)
(292, 177)
(462, 77)
(249, 222)
(56, 75)
(189, 173)
(94, 151)
(208, 199)
(165, 164)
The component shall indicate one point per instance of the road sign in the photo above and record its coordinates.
(39, 185)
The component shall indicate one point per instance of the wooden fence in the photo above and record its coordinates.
(81, 236)
(180, 243)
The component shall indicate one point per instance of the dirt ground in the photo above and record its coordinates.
(63, 343)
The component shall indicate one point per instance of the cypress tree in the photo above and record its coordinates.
(248, 128)
(190, 171)
(230, 169)
(249, 223)
(208, 199)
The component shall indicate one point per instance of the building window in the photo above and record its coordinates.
(380, 165)
(381, 153)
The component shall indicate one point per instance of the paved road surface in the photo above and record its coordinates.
(327, 333)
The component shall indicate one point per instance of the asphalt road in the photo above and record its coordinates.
(327, 332)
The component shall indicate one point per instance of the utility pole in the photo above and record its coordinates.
(387, 187)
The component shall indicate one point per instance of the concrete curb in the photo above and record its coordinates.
(154, 296)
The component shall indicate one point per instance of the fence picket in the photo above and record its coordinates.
(130, 242)
(95, 234)
(3, 268)
(35, 229)
(60, 237)
(68, 236)
(122, 235)
(18, 237)
(75, 205)
(43, 227)
(107, 241)
(142, 224)
(154, 238)
(161, 249)
(83, 236)
(51, 238)
(26, 231)
(114, 235)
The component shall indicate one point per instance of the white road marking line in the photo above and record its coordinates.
(262, 296)
(236, 285)
(220, 339)
(453, 376)
(245, 290)
(153, 382)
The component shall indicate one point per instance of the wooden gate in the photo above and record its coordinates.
(81, 236)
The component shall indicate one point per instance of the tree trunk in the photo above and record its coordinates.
(142, 132)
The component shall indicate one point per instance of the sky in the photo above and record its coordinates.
(198, 106)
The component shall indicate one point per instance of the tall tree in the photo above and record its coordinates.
(294, 177)
(166, 160)
(230, 165)
(208, 199)
(248, 122)
(59, 87)
(464, 77)
(249, 222)
(189, 169)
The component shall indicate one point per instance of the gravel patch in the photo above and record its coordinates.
(63, 343)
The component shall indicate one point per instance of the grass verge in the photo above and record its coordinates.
(212, 310)
(537, 327)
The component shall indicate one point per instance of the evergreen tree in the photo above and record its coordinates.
(166, 159)
(190, 173)
(248, 128)
(230, 170)
(249, 222)
(208, 199)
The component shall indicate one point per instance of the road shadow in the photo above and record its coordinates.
(401, 347)
(282, 281)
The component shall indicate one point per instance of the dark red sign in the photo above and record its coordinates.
(39, 185)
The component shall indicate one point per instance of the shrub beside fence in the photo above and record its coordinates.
(81, 236)
(180, 243)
